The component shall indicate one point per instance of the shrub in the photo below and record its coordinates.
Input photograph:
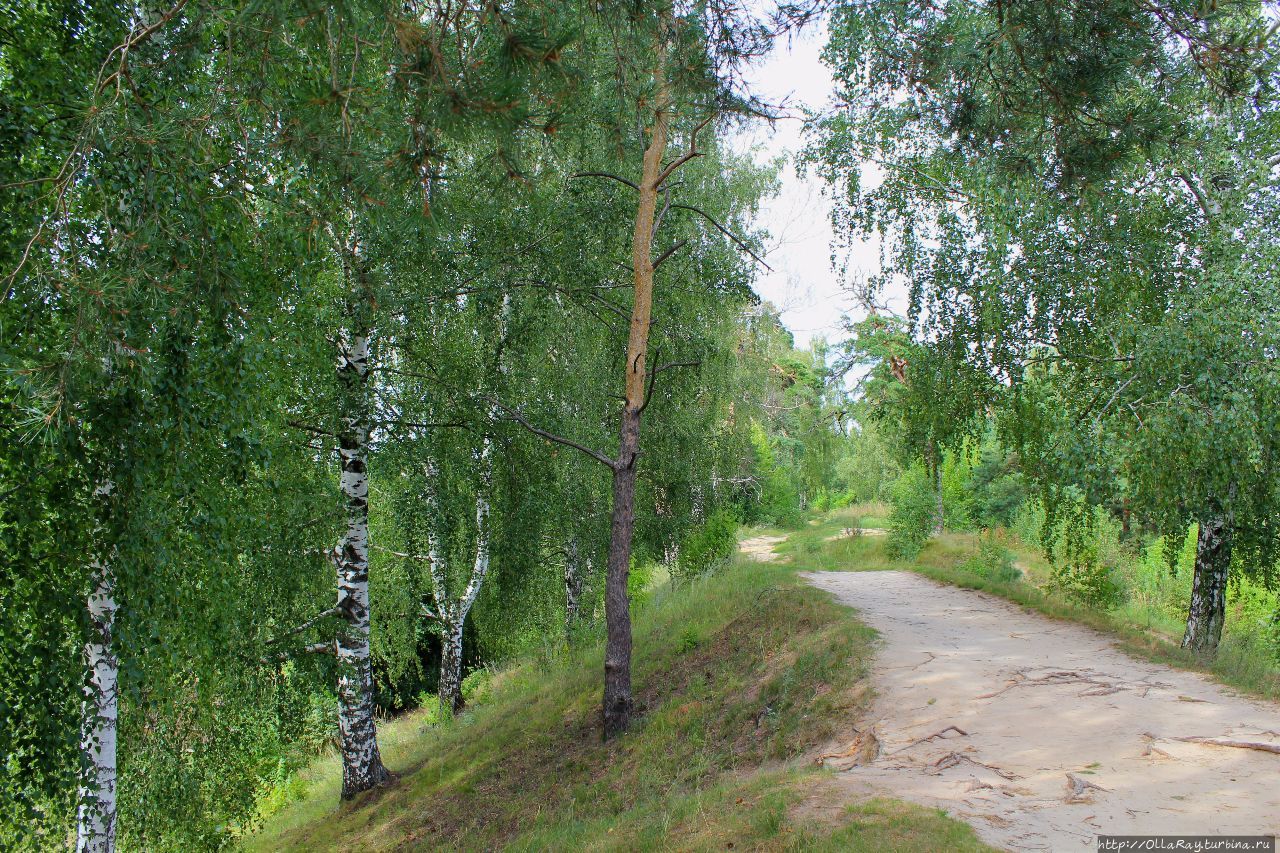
(954, 480)
(992, 560)
(640, 579)
(476, 686)
(914, 513)
(710, 544)
(1088, 582)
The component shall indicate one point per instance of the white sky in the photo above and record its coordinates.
(803, 283)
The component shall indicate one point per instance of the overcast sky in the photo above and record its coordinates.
(803, 284)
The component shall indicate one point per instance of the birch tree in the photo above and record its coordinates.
(361, 761)
(1051, 191)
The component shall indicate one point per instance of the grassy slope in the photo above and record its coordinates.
(741, 678)
(942, 558)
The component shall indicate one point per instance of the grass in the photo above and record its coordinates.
(1137, 631)
(740, 678)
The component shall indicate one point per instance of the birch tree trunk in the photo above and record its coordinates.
(96, 813)
(617, 703)
(1208, 609)
(573, 581)
(452, 614)
(933, 461)
(362, 766)
(450, 689)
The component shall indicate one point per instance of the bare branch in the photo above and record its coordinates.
(312, 622)
(314, 430)
(726, 232)
(674, 364)
(401, 554)
(132, 42)
(514, 415)
(648, 392)
(605, 175)
(685, 157)
(1207, 206)
(653, 375)
(669, 252)
(326, 648)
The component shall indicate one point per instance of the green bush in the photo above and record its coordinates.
(476, 686)
(639, 579)
(914, 513)
(709, 545)
(992, 560)
(954, 480)
(1086, 554)
(779, 501)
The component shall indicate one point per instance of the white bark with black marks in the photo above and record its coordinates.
(574, 578)
(362, 766)
(449, 611)
(1208, 609)
(96, 813)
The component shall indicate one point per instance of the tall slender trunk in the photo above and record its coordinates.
(1208, 609)
(573, 582)
(933, 462)
(96, 814)
(452, 614)
(616, 708)
(362, 766)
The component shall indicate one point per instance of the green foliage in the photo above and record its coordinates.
(477, 686)
(1084, 557)
(995, 489)
(992, 560)
(870, 467)
(778, 502)
(1116, 277)
(709, 545)
(915, 511)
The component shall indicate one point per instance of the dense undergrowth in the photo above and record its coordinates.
(741, 676)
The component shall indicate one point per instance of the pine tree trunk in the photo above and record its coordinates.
(1208, 609)
(362, 766)
(96, 815)
(617, 703)
(616, 707)
(573, 581)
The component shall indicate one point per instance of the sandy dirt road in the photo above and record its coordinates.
(760, 548)
(1040, 733)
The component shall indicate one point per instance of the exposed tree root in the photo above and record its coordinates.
(1079, 790)
(1237, 744)
(939, 733)
(951, 759)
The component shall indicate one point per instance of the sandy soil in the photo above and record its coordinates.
(760, 548)
(1041, 734)
(865, 531)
